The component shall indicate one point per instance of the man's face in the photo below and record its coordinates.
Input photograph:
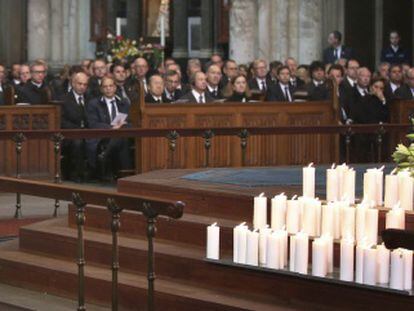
(213, 75)
(192, 69)
(119, 74)
(200, 82)
(141, 68)
(108, 88)
(332, 41)
(217, 60)
(396, 75)
(410, 78)
(364, 77)
(230, 70)
(24, 74)
(172, 82)
(80, 83)
(336, 75)
(318, 74)
(394, 38)
(284, 76)
(15, 71)
(260, 70)
(99, 69)
(38, 74)
(176, 68)
(156, 86)
(383, 71)
(85, 64)
(352, 70)
(2, 73)
(293, 66)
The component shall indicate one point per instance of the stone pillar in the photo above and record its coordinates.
(180, 29)
(133, 20)
(243, 30)
(333, 18)
(207, 29)
(379, 34)
(38, 29)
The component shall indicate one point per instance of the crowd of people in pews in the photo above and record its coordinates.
(95, 93)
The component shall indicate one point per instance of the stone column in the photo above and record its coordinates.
(243, 30)
(180, 29)
(379, 34)
(264, 29)
(133, 19)
(38, 29)
(333, 18)
(207, 29)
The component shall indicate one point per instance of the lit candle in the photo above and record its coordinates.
(360, 212)
(348, 222)
(279, 206)
(293, 216)
(383, 264)
(341, 171)
(319, 258)
(332, 184)
(260, 212)
(370, 181)
(264, 233)
(252, 248)
(292, 255)
(309, 181)
(379, 186)
(370, 266)
(275, 248)
(405, 190)
(213, 242)
(391, 190)
(337, 211)
(371, 226)
(395, 218)
(346, 265)
(301, 252)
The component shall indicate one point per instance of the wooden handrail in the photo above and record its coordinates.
(91, 196)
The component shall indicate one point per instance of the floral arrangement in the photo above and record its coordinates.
(122, 49)
(403, 156)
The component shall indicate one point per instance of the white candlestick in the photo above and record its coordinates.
(213, 242)
(397, 269)
(301, 253)
(309, 217)
(349, 186)
(162, 29)
(408, 269)
(264, 233)
(383, 264)
(371, 226)
(337, 210)
(395, 218)
(328, 219)
(346, 265)
(329, 252)
(309, 181)
(292, 255)
(293, 216)
(332, 184)
(405, 190)
(391, 191)
(242, 245)
(319, 258)
(360, 220)
(370, 266)
(348, 222)
(236, 231)
(273, 251)
(260, 212)
(359, 262)
(252, 248)
(279, 207)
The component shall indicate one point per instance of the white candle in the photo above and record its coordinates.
(252, 248)
(370, 266)
(379, 186)
(273, 251)
(292, 255)
(383, 264)
(397, 269)
(359, 262)
(242, 245)
(329, 252)
(360, 213)
(408, 269)
(346, 265)
(371, 226)
(301, 252)
(309, 181)
(162, 29)
(405, 190)
(328, 219)
(348, 222)
(309, 217)
(319, 258)
(332, 184)
(293, 216)
(213, 242)
(395, 218)
(279, 206)
(260, 212)
(370, 182)
(349, 186)
(391, 190)
(236, 231)
(337, 208)
(264, 233)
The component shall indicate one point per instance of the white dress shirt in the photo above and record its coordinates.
(199, 96)
(108, 102)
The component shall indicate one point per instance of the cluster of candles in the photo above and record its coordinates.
(285, 244)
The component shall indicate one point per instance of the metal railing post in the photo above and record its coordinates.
(18, 139)
(57, 144)
(207, 135)
(172, 137)
(244, 135)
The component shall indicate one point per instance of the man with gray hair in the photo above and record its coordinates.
(35, 91)
(406, 91)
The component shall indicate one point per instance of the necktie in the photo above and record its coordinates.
(83, 112)
(80, 102)
(335, 54)
(365, 92)
(287, 94)
(113, 109)
(200, 99)
(215, 93)
(263, 86)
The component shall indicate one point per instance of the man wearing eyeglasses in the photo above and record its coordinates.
(35, 91)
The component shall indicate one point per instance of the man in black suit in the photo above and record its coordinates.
(295, 82)
(282, 91)
(182, 87)
(35, 92)
(24, 75)
(123, 90)
(99, 71)
(171, 81)
(198, 94)
(2, 83)
(230, 70)
(213, 81)
(155, 90)
(316, 88)
(102, 113)
(394, 53)
(395, 81)
(73, 116)
(346, 88)
(336, 50)
(406, 91)
(14, 78)
(260, 82)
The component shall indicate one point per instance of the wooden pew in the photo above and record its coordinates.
(400, 112)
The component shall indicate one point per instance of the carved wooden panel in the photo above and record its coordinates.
(21, 121)
(40, 121)
(2, 122)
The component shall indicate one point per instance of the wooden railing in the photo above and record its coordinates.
(116, 202)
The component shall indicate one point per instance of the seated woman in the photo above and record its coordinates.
(237, 90)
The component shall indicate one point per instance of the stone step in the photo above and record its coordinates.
(57, 276)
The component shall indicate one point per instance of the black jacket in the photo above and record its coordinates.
(98, 114)
(368, 109)
(275, 93)
(404, 92)
(73, 116)
(189, 98)
(401, 56)
(30, 93)
(316, 93)
(329, 58)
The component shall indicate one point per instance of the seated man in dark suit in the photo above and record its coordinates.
(230, 70)
(293, 67)
(336, 50)
(213, 81)
(395, 81)
(24, 75)
(394, 53)
(99, 71)
(346, 88)
(406, 91)
(171, 91)
(73, 116)
(127, 92)
(155, 90)
(198, 93)
(14, 77)
(317, 89)
(102, 113)
(260, 82)
(182, 87)
(35, 92)
(282, 91)
(2, 83)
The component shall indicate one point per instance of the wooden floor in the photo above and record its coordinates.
(44, 258)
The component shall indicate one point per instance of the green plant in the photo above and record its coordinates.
(403, 156)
